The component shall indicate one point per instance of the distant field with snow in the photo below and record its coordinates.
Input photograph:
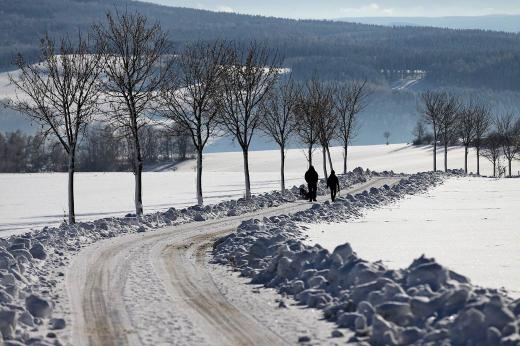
(35, 200)
(468, 224)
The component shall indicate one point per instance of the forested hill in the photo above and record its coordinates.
(508, 23)
(334, 50)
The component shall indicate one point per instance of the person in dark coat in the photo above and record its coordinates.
(333, 185)
(311, 177)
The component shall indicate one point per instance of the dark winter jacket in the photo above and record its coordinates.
(333, 182)
(311, 176)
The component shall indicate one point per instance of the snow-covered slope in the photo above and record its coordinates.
(34, 200)
(468, 224)
(398, 157)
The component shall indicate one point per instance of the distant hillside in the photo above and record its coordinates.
(387, 56)
(506, 23)
(335, 50)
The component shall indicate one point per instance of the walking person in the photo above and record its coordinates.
(333, 185)
(311, 177)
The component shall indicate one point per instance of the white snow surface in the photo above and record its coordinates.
(468, 224)
(422, 303)
(25, 278)
(36, 200)
(32, 264)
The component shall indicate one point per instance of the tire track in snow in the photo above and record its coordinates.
(191, 280)
(153, 288)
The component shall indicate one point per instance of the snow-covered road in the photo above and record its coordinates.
(157, 288)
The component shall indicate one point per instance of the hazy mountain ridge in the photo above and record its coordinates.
(505, 23)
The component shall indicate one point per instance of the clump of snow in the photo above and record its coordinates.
(424, 303)
(31, 264)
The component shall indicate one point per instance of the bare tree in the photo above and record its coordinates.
(327, 123)
(279, 115)
(136, 64)
(182, 143)
(466, 128)
(419, 131)
(61, 94)
(448, 123)
(248, 78)
(190, 101)
(492, 149)
(350, 100)
(509, 131)
(386, 134)
(421, 136)
(306, 125)
(482, 123)
(432, 109)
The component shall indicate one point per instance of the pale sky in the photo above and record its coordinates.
(330, 9)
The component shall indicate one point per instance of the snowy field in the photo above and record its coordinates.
(35, 200)
(468, 224)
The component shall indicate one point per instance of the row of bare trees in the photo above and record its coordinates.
(254, 93)
(114, 73)
(503, 141)
(316, 114)
(124, 73)
(219, 87)
(100, 150)
(471, 123)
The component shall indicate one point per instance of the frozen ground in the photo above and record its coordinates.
(468, 224)
(183, 301)
(34, 200)
(136, 286)
(37, 200)
(421, 303)
(155, 287)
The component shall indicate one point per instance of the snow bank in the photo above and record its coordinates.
(424, 303)
(31, 264)
(470, 224)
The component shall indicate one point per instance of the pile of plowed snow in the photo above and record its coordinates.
(32, 264)
(425, 303)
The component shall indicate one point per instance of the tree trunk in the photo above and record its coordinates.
(435, 154)
(200, 200)
(282, 168)
(345, 156)
(509, 164)
(466, 159)
(324, 162)
(246, 172)
(494, 169)
(138, 170)
(330, 159)
(71, 169)
(478, 160)
(310, 155)
(446, 157)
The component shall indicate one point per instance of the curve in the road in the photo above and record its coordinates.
(127, 290)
